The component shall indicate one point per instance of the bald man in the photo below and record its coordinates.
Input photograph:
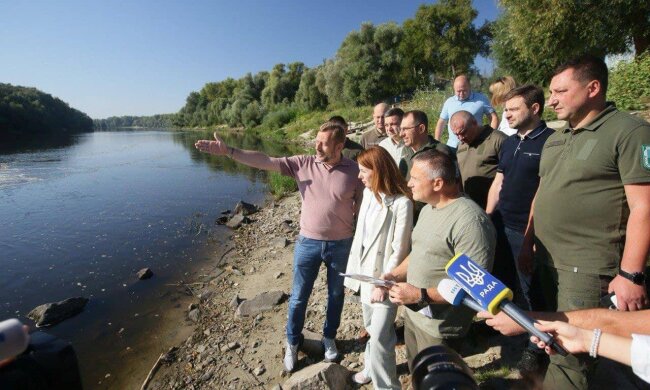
(464, 99)
(375, 136)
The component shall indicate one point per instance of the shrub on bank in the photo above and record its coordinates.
(280, 185)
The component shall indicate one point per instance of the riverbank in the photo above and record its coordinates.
(241, 349)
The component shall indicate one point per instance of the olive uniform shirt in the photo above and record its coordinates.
(351, 149)
(581, 210)
(441, 233)
(478, 163)
(372, 137)
(406, 162)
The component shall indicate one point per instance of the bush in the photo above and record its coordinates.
(629, 83)
(279, 117)
(281, 185)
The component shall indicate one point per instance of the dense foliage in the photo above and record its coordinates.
(376, 63)
(533, 37)
(629, 83)
(28, 111)
(160, 121)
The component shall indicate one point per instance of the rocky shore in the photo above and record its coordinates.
(240, 310)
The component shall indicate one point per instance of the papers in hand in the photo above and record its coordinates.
(369, 279)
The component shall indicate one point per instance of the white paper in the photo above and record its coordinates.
(369, 279)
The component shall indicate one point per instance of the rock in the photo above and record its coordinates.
(144, 273)
(193, 315)
(259, 371)
(236, 221)
(286, 226)
(277, 387)
(244, 208)
(312, 344)
(279, 242)
(50, 314)
(230, 346)
(235, 301)
(221, 220)
(262, 302)
(319, 376)
(279, 275)
(192, 306)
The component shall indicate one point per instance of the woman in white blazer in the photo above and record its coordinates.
(381, 241)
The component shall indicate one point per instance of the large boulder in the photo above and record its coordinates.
(320, 376)
(244, 208)
(261, 303)
(50, 314)
(237, 220)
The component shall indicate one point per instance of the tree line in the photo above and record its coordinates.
(382, 62)
(160, 121)
(28, 111)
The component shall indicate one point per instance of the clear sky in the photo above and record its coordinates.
(143, 57)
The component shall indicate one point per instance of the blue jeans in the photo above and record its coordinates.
(307, 258)
(515, 240)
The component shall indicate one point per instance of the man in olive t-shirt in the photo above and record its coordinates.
(591, 213)
(477, 154)
(449, 223)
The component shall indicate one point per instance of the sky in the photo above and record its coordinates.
(144, 57)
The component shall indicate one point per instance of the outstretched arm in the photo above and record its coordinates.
(247, 157)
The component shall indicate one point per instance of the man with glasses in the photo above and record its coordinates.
(393, 143)
(414, 131)
(511, 195)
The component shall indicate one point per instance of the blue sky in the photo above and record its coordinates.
(144, 57)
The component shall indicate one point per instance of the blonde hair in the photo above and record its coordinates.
(500, 88)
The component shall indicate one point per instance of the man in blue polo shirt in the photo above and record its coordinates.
(513, 189)
(464, 99)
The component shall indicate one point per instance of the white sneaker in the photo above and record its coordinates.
(290, 357)
(331, 353)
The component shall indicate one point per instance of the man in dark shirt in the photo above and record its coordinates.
(512, 192)
(351, 149)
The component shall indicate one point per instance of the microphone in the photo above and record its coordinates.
(492, 295)
(454, 294)
(13, 339)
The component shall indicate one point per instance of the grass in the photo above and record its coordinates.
(280, 185)
(485, 375)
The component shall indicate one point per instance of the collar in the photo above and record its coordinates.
(487, 130)
(602, 117)
(537, 131)
(344, 161)
(469, 98)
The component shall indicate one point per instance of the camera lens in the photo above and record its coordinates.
(441, 368)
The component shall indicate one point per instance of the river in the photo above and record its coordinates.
(81, 217)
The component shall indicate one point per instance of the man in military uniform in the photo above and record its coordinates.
(591, 213)
(477, 154)
(378, 133)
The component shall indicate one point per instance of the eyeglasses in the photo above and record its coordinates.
(410, 127)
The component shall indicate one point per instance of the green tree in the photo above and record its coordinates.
(441, 40)
(366, 66)
(532, 37)
(309, 97)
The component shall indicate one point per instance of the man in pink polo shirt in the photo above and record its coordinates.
(331, 194)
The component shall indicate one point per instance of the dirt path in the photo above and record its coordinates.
(230, 352)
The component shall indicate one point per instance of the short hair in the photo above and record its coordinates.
(387, 178)
(466, 116)
(438, 164)
(395, 111)
(531, 94)
(419, 117)
(587, 68)
(336, 128)
(499, 88)
(338, 119)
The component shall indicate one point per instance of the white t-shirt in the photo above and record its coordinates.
(640, 356)
(397, 151)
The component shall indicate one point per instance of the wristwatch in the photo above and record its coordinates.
(424, 297)
(635, 277)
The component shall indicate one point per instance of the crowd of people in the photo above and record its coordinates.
(563, 216)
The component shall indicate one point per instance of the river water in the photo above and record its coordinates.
(81, 217)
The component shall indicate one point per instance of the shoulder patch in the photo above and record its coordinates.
(645, 156)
